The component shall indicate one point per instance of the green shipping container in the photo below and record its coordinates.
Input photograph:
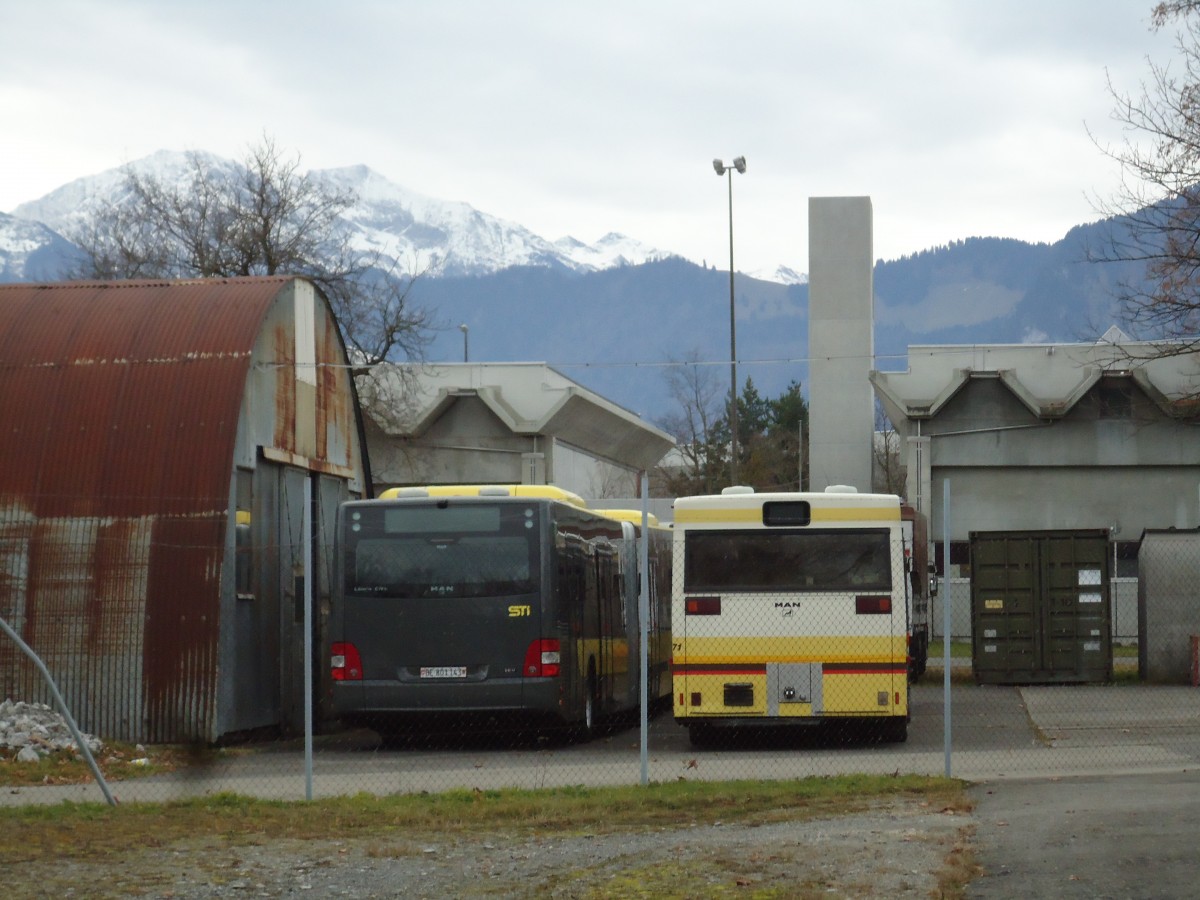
(1041, 609)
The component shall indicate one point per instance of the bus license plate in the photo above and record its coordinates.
(443, 671)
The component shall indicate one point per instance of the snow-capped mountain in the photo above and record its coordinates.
(611, 250)
(64, 209)
(457, 239)
(29, 251)
(445, 238)
(780, 275)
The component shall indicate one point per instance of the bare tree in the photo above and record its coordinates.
(889, 475)
(262, 217)
(1157, 208)
(1172, 9)
(700, 404)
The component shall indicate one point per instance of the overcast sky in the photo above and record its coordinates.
(958, 118)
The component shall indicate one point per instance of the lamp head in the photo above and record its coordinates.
(739, 163)
(719, 166)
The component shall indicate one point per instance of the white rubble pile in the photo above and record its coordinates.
(35, 730)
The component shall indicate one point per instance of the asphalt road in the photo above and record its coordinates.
(1108, 836)
(999, 732)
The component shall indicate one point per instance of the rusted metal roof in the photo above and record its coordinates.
(119, 408)
(111, 407)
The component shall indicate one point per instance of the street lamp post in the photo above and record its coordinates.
(738, 164)
(463, 329)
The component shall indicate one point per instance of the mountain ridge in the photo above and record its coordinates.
(448, 237)
(617, 315)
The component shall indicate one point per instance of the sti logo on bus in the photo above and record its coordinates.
(517, 611)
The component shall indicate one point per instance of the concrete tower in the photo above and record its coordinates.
(841, 342)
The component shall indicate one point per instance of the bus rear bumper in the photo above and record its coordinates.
(370, 698)
(833, 729)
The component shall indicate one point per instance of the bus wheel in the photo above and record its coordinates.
(894, 730)
(586, 729)
(700, 734)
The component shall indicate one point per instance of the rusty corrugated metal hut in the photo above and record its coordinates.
(156, 439)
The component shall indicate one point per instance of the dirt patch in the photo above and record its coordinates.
(901, 848)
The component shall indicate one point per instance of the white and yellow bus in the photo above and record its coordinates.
(790, 608)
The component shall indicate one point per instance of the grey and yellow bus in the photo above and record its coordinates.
(790, 608)
(510, 606)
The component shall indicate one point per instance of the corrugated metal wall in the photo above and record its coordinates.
(121, 405)
(1168, 603)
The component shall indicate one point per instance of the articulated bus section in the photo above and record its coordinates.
(790, 608)
(500, 605)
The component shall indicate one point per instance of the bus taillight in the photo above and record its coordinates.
(702, 606)
(872, 604)
(543, 659)
(344, 662)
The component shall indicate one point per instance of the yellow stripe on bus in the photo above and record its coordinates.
(865, 514)
(528, 491)
(817, 514)
(718, 515)
(822, 648)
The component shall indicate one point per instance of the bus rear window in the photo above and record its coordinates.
(418, 566)
(786, 561)
(440, 549)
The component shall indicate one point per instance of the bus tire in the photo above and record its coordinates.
(700, 734)
(586, 729)
(919, 658)
(894, 730)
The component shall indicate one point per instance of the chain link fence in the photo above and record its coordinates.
(827, 668)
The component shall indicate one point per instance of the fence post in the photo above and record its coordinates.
(62, 708)
(309, 672)
(946, 622)
(644, 630)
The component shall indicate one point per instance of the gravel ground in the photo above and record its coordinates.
(895, 850)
